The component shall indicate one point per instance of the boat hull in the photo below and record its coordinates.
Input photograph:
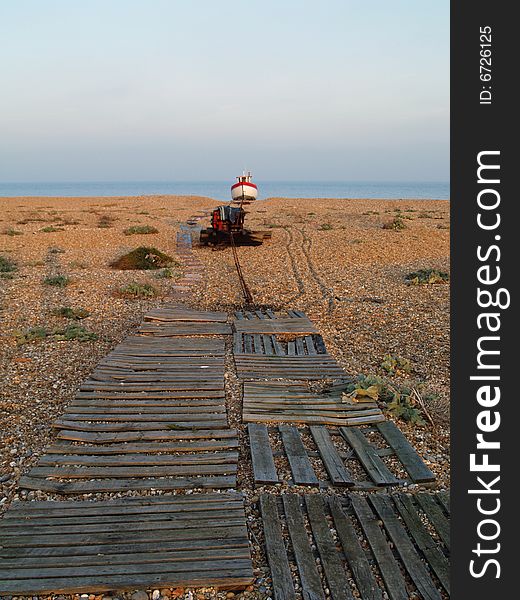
(244, 189)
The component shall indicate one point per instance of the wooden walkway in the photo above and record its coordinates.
(94, 547)
(365, 546)
(268, 348)
(350, 456)
(151, 416)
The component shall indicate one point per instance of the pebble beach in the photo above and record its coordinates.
(343, 262)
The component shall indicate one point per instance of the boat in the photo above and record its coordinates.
(244, 191)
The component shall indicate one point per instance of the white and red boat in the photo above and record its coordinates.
(244, 190)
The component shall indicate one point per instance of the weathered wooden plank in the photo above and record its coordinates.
(115, 472)
(438, 562)
(143, 447)
(330, 558)
(354, 553)
(168, 314)
(390, 571)
(411, 560)
(435, 515)
(368, 457)
(122, 485)
(311, 348)
(283, 587)
(138, 459)
(264, 469)
(140, 426)
(268, 345)
(443, 497)
(185, 329)
(134, 436)
(301, 467)
(333, 462)
(310, 579)
(405, 452)
(275, 326)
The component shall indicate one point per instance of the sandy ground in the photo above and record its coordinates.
(330, 258)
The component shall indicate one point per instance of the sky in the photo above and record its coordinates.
(141, 90)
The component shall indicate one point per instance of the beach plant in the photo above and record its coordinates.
(7, 265)
(143, 258)
(71, 313)
(71, 332)
(136, 290)
(166, 273)
(426, 276)
(395, 364)
(51, 229)
(74, 332)
(12, 232)
(140, 230)
(396, 224)
(105, 221)
(405, 402)
(56, 250)
(57, 280)
(325, 227)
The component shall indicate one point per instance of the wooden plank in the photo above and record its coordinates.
(123, 485)
(331, 459)
(185, 329)
(374, 466)
(278, 349)
(268, 345)
(275, 326)
(264, 469)
(168, 314)
(257, 343)
(406, 550)
(301, 467)
(115, 472)
(99, 437)
(248, 343)
(443, 497)
(405, 452)
(283, 587)
(311, 348)
(435, 515)
(300, 347)
(139, 426)
(310, 579)
(225, 573)
(354, 553)
(237, 343)
(143, 447)
(438, 562)
(138, 459)
(390, 571)
(330, 558)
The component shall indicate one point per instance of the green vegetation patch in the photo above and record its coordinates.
(7, 265)
(425, 276)
(71, 313)
(51, 229)
(143, 258)
(405, 402)
(140, 230)
(12, 232)
(396, 224)
(396, 365)
(69, 333)
(57, 281)
(325, 227)
(137, 290)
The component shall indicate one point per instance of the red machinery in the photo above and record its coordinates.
(227, 226)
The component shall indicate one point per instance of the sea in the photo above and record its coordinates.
(219, 190)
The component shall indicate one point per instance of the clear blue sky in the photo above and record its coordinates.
(199, 89)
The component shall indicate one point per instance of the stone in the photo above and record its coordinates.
(139, 596)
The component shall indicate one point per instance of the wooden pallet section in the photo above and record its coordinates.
(360, 552)
(272, 345)
(184, 328)
(290, 326)
(94, 547)
(259, 366)
(168, 313)
(152, 415)
(346, 454)
(293, 402)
